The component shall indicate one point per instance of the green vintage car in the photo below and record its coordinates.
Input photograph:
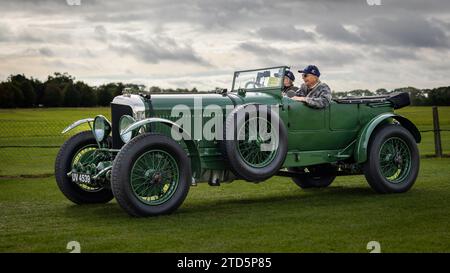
(159, 145)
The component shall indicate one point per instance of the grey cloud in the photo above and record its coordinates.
(336, 32)
(46, 52)
(260, 50)
(5, 33)
(284, 33)
(100, 33)
(330, 57)
(407, 31)
(154, 50)
(401, 31)
(302, 56)
(391, 54)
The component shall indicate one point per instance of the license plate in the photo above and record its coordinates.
(81, 178)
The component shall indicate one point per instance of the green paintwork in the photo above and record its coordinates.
(360, 152)
(315, 136)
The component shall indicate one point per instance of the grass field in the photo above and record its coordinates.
(274, 216)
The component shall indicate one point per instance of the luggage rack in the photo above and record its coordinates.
(397, 99)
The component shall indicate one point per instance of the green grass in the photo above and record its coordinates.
(274, 216)
(37, 127)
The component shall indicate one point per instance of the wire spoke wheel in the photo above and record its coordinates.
(395, 160)
(251, 141)
(154, 177)
(87, 157)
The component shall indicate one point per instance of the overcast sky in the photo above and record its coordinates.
(186, 43)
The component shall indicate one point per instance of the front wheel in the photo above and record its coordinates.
(393, 160)
(151, 175)
(80, 150)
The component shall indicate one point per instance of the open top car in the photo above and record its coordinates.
(158, 145)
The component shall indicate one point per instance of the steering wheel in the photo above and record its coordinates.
(255, 84)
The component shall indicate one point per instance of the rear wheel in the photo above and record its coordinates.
(393, 160)
(320, 176)
(151, 175)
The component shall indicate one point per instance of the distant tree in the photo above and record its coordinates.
(88, 97)
(155, 89)
(17, 79)
(72, 96)
(339, 94)
(18, 96)
(194, 90)
(104, 96)
(360, 92)
(52, 95)
(61, 79)
(6, 95)
(439, 96)
(381, 91)
(39, 89)
(134, 88)
(29, 95)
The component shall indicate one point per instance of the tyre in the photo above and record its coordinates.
(393, 160)
(79, 150)
(252, 154)
(320, 176)
(151, 175)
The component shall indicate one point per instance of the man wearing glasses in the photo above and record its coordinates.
(313, 92)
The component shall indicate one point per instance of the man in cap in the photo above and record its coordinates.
(288, 82)
(313, 92)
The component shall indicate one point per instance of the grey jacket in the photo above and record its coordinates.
(317, 97)
(290, 88)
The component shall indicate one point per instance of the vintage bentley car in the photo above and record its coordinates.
(158, 145)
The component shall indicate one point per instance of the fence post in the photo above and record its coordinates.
(437, 133)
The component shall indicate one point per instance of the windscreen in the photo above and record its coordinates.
(263, 78)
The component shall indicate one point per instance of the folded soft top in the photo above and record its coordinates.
(398, 99)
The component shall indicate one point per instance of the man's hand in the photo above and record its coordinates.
(297, 98)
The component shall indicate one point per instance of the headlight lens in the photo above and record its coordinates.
(102, 128)
(124, 122)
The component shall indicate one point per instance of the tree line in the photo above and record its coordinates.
(62, 90)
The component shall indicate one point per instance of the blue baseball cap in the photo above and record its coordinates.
(289, 74)
(311, 69)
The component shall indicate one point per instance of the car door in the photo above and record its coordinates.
(308, 127)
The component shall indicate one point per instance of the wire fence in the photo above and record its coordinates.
(29, 148)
